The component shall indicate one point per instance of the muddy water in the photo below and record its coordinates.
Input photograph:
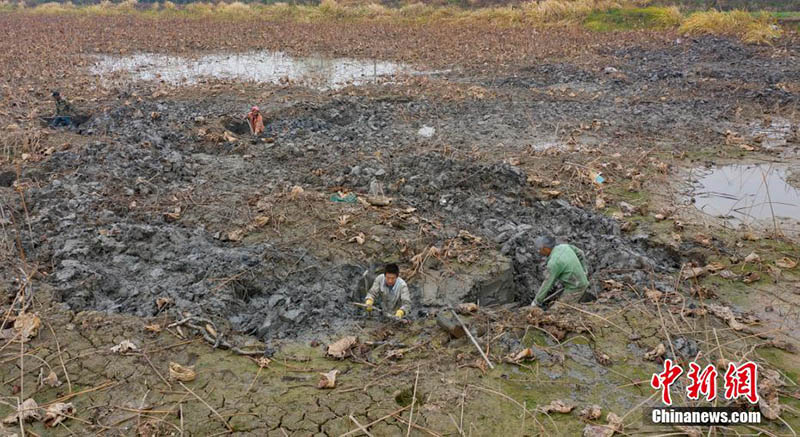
(748, 194)
(772, 133)
(259, 67)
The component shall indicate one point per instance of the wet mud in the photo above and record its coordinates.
(144, 210)
(118, 244)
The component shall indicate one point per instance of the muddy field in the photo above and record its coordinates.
(161, 221)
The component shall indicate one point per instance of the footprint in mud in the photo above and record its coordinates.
(405, 396)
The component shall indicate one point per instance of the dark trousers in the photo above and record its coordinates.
(61, 120)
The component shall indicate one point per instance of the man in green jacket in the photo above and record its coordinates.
(565, 264)
(64, 111)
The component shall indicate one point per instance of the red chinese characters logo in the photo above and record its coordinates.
(665, 379)
(742, 381)
(704, 382)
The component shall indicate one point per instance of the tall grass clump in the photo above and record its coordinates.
(105, 7)
(634, 18)
(7, 6)
(198, 9)
(54, 8)
(498, 16)
(565, 11)
(127, 6)
(751, 28)
(375, 10)
(422, 13)
(599, 15)
(665, 17)
(332, 9)
(284, 11)
(233, 10)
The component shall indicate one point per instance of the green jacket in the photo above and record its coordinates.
(63, 107)
(566, 264)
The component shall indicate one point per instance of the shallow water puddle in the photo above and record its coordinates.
(771, 133)
(747, 193)
(259, 67)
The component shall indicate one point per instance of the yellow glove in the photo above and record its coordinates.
(368, 304)
(399, 314)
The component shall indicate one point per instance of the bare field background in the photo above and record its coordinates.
(597, 15)
(436, 36)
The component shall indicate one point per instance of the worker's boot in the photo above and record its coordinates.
(587, 296)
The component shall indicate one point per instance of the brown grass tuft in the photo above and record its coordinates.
(751, 28)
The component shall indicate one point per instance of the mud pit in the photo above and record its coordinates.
(145, 214)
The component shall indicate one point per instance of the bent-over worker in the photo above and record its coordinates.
(63, 107)
(256, 121)
(565, 264)
(64, 111)
(391, 291)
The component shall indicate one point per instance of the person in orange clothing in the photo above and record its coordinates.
(256, 121)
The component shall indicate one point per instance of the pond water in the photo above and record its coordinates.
(747, 194)
(258, 67)
(772, 133)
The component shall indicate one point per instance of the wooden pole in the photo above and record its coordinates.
(469, 334)
(451, 326)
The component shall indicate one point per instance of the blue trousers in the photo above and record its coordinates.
(61, 120)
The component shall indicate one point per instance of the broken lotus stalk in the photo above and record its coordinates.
(469, 334)
(217, 341)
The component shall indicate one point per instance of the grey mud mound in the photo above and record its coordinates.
(103, 211)
(491, 200)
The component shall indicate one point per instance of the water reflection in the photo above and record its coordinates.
(259, 67)
(748, 193)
